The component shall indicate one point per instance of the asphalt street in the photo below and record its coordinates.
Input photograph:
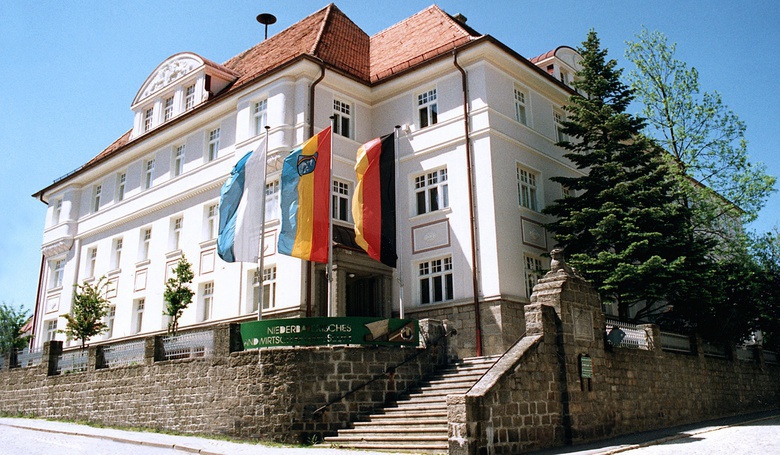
(747, 434)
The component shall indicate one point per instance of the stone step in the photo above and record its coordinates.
(441, 393)
(393, 421)
(397, 439)
(383, 430)
(435, 448)
(403, 415)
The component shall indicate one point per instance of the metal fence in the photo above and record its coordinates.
(675, 342)
(27, 358)
(73, 362)
(124, 354)
(715, 350)
(189, 345)
(745, 353)
(626, 335)
(770, 357)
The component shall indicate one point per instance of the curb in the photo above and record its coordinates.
(116, 439)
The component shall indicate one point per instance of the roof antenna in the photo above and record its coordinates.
(266, 19)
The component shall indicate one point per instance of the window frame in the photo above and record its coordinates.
(558, 117)
(340, 197)
(189, 97)
(427, 104)
(428, 272)
(97, 192)
(116, 253)
(56, 213)
(168, 108)
(148, 118)
(434, 181)
(528, 188)
(57, 267)
(177, 224)
(177, 164)
(212, 221)
(260, 116)
(205, 312)
(532, 272)
(138, 314)
(521, 104)
(91, 257)
(269, 282)
(144, 241)
(212, 144)
(121, 186)
(148, 174)
(51, 329)
(272, 200)
(343, 118)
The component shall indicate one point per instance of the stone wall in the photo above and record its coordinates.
(270, 394)
(536, 396)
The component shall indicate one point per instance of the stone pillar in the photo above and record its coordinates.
(153, 350)
(580, 345)
(7, 360)
(52, 350)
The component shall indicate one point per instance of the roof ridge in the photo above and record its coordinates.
(323, 27)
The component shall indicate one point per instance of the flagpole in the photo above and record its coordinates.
(261, 258)
(399, 238)
(331, 312)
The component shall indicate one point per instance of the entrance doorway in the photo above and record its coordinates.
(364, 296)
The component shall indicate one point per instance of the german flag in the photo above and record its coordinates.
(373, 206)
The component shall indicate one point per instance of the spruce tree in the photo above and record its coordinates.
(623, 228)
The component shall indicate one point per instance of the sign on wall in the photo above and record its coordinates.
(323, 331)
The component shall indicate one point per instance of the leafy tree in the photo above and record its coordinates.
(766, 251)
(178, 294)
(90, 307)
(11, 322)
(705, 138)
(624, 230)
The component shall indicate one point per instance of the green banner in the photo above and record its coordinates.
(323, 331)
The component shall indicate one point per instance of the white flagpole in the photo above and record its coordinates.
(261, 257)
(331, 312)
(398, 236)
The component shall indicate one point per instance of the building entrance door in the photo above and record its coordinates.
(364, 296)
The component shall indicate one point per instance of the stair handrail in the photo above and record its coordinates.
(388, 371)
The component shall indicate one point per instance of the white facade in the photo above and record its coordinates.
(132, 215)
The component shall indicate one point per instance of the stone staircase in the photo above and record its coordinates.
(418, 421)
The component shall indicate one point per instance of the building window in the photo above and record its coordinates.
(435, 278)
(51, 329)
(146, 240)
(559, 117)
(116, 255)
(97, 191)
(121, 180)
(178, 160)
(269, 289)
(91, 261)
(168, 109)
(340, 201)
(110, 320)
(427, 108)
(207, 301)
(148, 118)
(213, 145)
(189, 97)
(57, 271)
(533, 272)
(272, 200)
(526, 188)
(138, 315)
(212, 220)
(56, 212)
(341, 118)
(432, 192)
(176, 226)
(260, 116)
(148, 174)
(520, 107)
(566, 191)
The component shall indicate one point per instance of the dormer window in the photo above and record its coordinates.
(148, 118)
(177, 85)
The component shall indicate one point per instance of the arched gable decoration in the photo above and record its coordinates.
(172, 69)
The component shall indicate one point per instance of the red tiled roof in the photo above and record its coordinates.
(331, 36)
(543, 57)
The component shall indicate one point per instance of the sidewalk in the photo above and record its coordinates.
(192, 444)
(648, 438)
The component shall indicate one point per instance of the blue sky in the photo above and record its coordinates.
(71, 69)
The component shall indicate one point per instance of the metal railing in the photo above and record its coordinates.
(27, 358)
(676, 343)
(746, 353)
(124, 354)
(72, 362)
(626, 335)
(770, 357)
(715, 350)
(189, 345)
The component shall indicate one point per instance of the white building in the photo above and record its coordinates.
(468, 106)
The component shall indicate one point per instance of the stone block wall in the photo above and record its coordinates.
(536, 396)
(269, 394)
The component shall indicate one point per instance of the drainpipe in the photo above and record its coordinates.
(311, 134)
(472, 218)
(37, 302)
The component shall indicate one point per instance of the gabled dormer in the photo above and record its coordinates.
(179, 84)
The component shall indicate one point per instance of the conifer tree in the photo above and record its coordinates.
(623, 228)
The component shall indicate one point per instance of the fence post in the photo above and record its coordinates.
(7, 360)
(153, 350)
(97, 358)
(222, 340)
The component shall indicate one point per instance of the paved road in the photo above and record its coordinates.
(759, 437)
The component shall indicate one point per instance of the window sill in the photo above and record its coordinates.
(173, 254)
(208, 243)
(143, 263)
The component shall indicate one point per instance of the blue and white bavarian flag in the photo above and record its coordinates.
(241, 208)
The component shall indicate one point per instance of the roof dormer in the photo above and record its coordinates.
(177, 85)
(561, 63)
